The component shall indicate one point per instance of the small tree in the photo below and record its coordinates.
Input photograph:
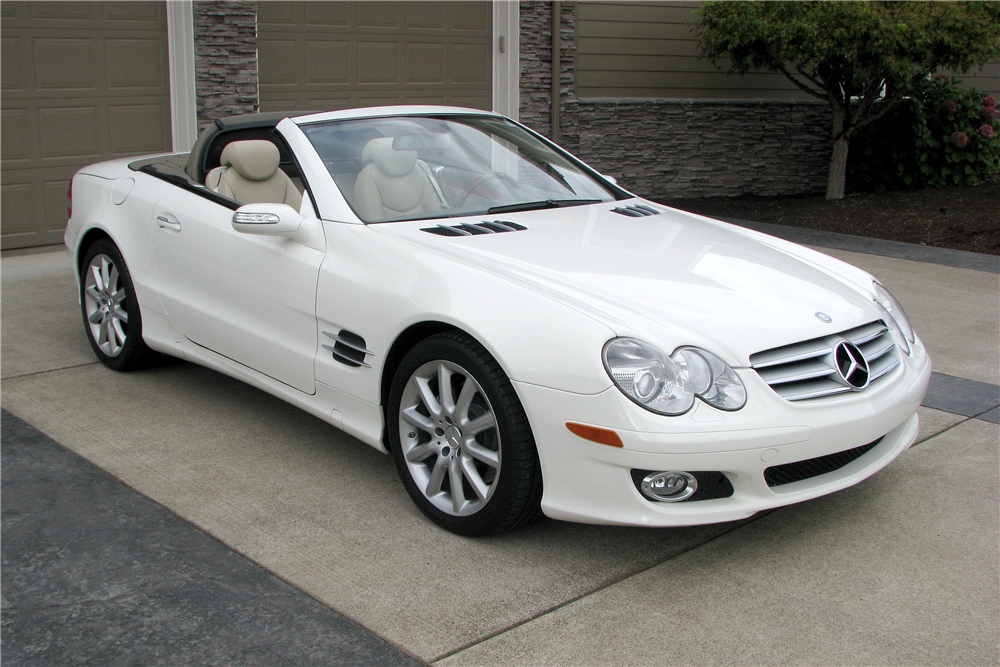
(850, 54)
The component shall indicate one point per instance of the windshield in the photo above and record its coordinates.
(409, 168)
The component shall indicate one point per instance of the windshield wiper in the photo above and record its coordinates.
(538, 205)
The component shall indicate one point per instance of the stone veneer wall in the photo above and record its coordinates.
(225, 44)
(664, 148)
(536, 63)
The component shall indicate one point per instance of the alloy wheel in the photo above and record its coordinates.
(449, 437)
(105, 305)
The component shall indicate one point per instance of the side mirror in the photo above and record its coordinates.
(610, 178)
(266, 219)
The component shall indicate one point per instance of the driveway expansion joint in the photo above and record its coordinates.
(49, 370)
(608, 584)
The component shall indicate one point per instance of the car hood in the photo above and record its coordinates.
(673, 278)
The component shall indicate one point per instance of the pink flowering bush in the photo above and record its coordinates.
(941, 135)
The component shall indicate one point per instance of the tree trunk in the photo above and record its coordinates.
(838, 169)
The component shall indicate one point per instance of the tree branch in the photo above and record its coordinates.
(867, 99)
(813, 80)
(891, 101)
(803, 87)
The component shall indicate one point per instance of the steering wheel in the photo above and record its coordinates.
(492, 175)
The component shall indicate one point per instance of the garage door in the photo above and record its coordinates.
(317, 56)
(81, 82)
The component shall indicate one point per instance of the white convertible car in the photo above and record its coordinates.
(522, 335)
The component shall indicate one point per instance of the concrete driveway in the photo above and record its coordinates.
(900, 569)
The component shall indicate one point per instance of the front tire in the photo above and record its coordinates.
(110, 310)
(460, 439)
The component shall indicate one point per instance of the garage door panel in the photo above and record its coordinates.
(378, 63)
(327, 14)
(379, 14)
(133, 14)
(15, 131)
(56, 203)
(285, 67)
(33, 211)
(63, 63)
(428, 15)
(63, 11)
(136, 129)
(374, 53)
(82, 82)
(70, 133)
(13, 57)
(378, 101)
(480, 101)
(473, 17)
(121, 56)
(425, 63)
(427, 99)
(16, 197)
(328, 63)
(13, 12)
(468, 61)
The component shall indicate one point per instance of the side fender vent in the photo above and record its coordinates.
(474, 229)
(636, 211)
(348, 348)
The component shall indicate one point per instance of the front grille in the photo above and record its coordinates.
(474, 229)
(808, 370)
(800, 470)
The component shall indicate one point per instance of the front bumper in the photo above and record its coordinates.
(592, 483)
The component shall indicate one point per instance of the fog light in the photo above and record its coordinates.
(669, 487)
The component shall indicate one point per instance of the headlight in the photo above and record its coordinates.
(897, 319)
(668, 385)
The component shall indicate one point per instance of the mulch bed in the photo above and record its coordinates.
(963, 218)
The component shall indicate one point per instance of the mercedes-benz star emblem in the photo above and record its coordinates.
(852, 367)
(823, 317)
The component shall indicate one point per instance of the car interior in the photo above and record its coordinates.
(249, 173)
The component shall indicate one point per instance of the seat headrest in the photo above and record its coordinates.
(254, 160)
(391, 162)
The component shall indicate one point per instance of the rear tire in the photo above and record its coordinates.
(111, 315)
(461, 440)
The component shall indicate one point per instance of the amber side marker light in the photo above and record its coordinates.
(594, 434)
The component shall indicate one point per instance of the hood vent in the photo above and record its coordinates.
(636, 211)
(349, 348)
(470, 229)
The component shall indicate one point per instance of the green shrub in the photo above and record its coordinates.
(942, 135)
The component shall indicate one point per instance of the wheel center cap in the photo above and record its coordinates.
(454, 437)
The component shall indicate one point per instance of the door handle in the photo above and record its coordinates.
(168, 223)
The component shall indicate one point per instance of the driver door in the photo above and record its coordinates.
(249, 298)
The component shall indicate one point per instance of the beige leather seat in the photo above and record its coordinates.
(393, 184)
(250, 175)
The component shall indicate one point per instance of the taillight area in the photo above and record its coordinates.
(69, 201)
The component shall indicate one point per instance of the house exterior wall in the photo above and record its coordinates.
(985, 79)
(668, 127)
(672, 148)
(650, 50)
